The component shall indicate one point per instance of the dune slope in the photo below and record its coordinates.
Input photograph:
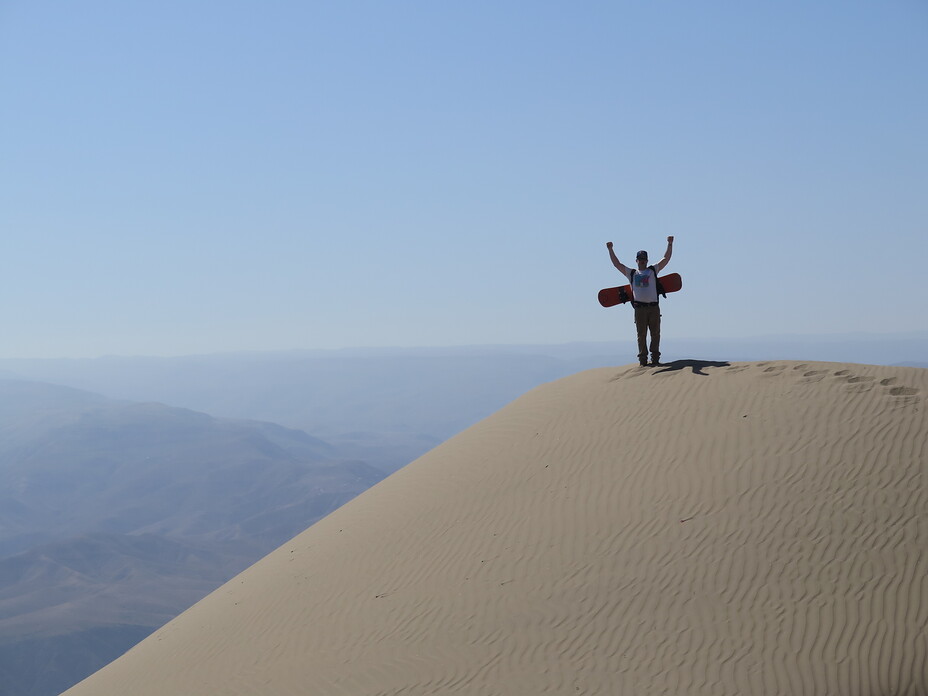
(753, 528)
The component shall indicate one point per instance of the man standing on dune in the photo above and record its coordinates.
(643, 281)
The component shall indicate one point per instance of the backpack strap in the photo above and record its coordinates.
(657, 283)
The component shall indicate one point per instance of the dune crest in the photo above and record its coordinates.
(702, 528)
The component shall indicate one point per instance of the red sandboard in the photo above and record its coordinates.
(610, 297)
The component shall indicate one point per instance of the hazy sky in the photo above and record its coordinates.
(197, 176)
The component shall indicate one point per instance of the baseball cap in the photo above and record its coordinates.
(641, 254)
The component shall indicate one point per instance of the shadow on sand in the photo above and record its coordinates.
(696, 365)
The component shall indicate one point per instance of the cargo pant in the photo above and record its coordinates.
(648, 318)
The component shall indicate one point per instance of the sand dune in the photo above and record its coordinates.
(753, 528)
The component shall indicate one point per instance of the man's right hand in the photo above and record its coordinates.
(608, 245)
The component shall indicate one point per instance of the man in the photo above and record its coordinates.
(644, 299)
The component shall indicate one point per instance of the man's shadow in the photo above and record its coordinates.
(696, 365)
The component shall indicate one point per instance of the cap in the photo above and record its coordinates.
(641, 254)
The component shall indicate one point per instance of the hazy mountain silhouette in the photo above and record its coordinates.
(385, 407)
(393, 404)
(115, 516)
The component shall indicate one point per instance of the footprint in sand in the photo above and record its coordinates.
(900, 390)
(859, 384)
(813, 376)
(734, 369)
(856, 384)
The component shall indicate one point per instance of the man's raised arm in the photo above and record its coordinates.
(615, 261)
(667, 254)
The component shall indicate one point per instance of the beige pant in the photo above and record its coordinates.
(648, 318)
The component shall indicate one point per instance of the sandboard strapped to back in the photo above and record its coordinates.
(610, 297)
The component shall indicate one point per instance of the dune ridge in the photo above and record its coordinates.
(702, 528)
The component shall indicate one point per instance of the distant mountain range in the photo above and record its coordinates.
(385, 408)
(388, 406)
(115, 516)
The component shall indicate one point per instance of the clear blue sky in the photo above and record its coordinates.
(197, 176)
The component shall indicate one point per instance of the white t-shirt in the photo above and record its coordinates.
(644, 285)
